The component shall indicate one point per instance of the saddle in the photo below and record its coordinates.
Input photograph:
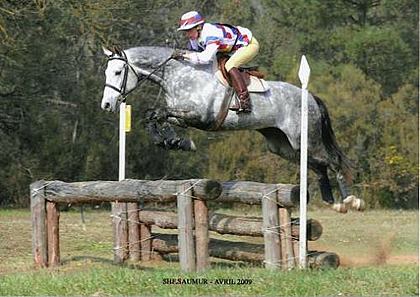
(252, 76)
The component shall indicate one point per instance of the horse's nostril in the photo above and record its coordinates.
(107, 106)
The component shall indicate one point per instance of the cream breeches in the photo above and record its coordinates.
(243, 55)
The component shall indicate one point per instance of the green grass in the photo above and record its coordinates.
(378, 250)
(102, 279)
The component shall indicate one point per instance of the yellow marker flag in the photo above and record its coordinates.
(127, 126)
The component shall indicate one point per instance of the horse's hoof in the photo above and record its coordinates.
(349, 200)
(192, 146)
(359, 204)
(355, 203)
(186, 145)
(339, 207)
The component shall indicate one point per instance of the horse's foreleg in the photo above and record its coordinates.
(173, 142)
(164, 135)
(153, 130)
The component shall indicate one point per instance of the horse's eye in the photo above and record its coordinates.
(117, 72)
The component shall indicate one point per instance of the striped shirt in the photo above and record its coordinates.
(217, 38)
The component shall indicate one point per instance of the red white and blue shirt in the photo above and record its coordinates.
(217, 38)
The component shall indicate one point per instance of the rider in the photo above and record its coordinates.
(206, 39)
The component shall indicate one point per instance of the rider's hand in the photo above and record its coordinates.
(177, 55)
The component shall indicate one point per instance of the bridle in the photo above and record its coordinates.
(127, 67)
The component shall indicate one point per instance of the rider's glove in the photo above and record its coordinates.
(177, 55)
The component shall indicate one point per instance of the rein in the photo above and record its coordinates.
(127, 67)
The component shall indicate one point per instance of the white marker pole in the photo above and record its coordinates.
(121, 174)
(304, 73)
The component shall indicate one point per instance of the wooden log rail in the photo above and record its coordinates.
(131, 190)
(253, 192)
(227, 224)
(241, 251)
(128, 190)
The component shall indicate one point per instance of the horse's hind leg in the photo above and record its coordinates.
(343, 179)
(325, 186)
(279, 144)
(343, 186)
(349, 200)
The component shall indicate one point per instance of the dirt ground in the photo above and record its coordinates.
(390, 259)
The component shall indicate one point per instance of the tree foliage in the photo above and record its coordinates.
(363, 56)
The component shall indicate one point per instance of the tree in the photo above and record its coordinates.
(363, 56)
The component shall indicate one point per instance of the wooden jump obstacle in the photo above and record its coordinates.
(134, 240)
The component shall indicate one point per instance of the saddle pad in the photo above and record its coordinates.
(256, 85)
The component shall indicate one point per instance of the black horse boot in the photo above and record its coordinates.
(241, 90)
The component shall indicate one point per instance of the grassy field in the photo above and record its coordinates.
(378, 251)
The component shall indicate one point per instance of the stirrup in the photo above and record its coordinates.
(235, 106)
(245, 105)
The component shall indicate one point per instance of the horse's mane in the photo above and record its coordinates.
(150, 51)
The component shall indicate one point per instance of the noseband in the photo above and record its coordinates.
(127, 67)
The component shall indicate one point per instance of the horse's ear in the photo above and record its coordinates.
(117, 50)
(107, 51)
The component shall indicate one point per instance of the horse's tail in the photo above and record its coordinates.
(330, 142)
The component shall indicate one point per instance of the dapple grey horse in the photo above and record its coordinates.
(195, 98)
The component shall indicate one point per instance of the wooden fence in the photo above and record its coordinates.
(134, 240)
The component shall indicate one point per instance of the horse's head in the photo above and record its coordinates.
(121, 79)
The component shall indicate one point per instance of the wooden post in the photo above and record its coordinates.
(185, 228)
(120, 228)
(286, 238)
(53, 217)
(145, 241)
(119, 210)
(304, 72)
(39, 227)
(271, 229)
(201, 234)
(133, 232)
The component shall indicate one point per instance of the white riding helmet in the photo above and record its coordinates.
(190, 20)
